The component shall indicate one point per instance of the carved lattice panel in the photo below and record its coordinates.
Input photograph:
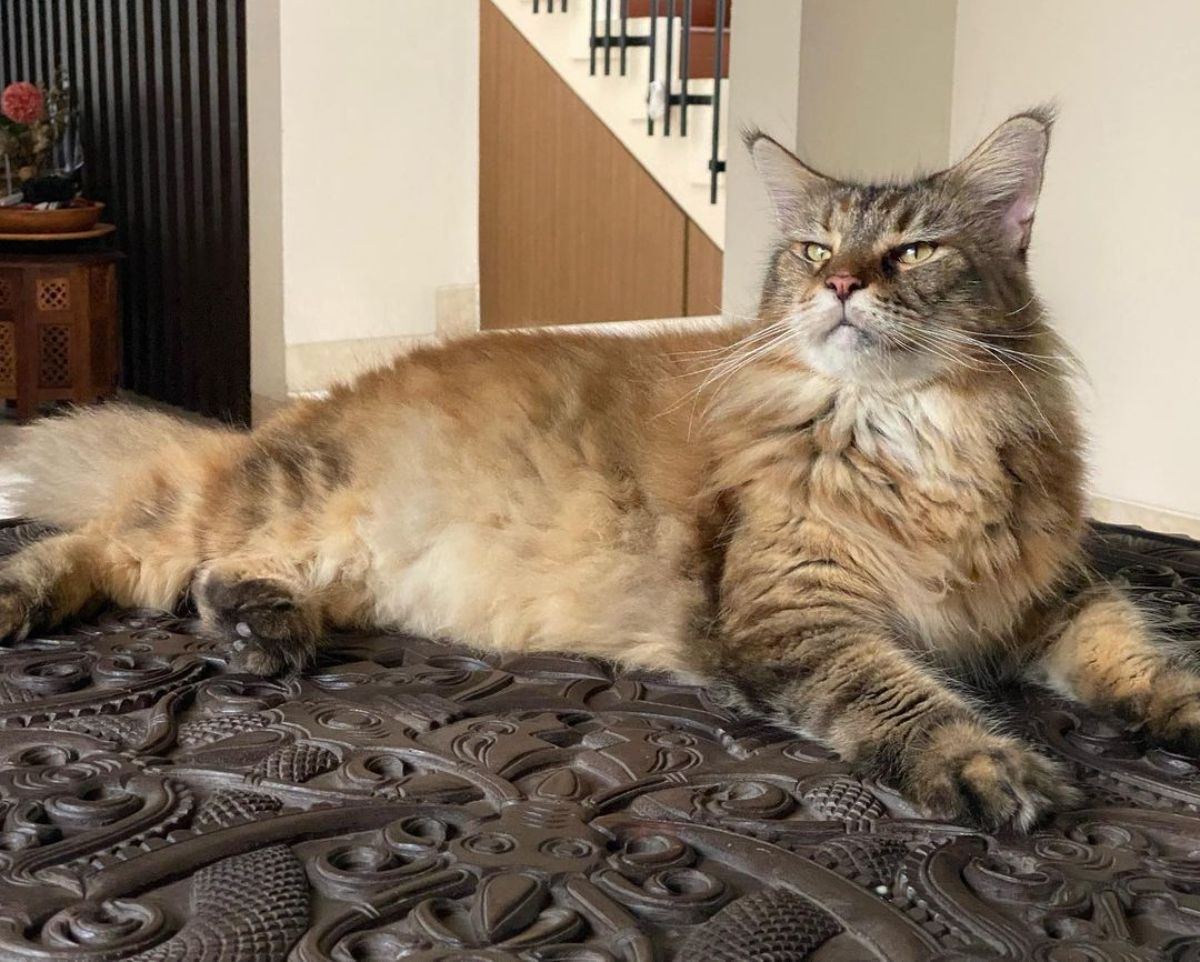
(98, 279)
(54, 355)
(54, 294)
(8, 356)
(8, 293)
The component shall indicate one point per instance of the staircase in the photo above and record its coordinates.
(655, 72)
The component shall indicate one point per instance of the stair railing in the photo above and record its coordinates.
(683, 98)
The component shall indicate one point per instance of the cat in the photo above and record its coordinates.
(824, 512)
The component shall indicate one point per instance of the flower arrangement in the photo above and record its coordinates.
(35, 123)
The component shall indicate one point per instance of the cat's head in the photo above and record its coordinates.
(907, 282)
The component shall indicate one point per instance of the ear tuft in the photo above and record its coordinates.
(1004, 173)
(789, 181)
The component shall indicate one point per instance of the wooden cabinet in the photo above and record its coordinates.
(58, 328)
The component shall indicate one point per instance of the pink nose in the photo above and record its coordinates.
(843, 285)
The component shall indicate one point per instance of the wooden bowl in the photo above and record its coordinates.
(64, 220)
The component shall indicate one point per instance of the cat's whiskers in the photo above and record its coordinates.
(721, 383)
(723, 353)
(998, 359)
(919, 337)
(1039, 363)
(1032, 298)
(729, 355)
(723, 374)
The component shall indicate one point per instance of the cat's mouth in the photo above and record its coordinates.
(849, 333)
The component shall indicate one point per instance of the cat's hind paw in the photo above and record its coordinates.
(268, 630)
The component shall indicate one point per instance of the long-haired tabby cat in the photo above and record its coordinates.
(819, 512)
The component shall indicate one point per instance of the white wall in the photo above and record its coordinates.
(1118, 229)
(379, 163)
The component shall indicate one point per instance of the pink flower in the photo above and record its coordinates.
(22, 103)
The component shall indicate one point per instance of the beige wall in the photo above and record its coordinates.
(875, 79)
(764, 57)
(1118, 229)
(380, 164)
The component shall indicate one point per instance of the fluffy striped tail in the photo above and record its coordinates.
(68, 470)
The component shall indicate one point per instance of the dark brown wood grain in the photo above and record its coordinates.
(58, 327)
(705, 261)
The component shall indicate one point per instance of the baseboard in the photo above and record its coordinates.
(317, 365)
(456, 309)
(262, 407)
(1116, 511)
(314, 366)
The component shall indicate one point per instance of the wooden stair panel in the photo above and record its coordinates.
(572, 228)
(700, 61)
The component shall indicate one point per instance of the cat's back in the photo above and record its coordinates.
(533, 490)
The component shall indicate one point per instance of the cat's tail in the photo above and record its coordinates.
(68, 470)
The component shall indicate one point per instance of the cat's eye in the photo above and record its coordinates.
(816, 253)
(916, 253)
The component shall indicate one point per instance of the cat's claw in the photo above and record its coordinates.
(968, 774)
(268, 630)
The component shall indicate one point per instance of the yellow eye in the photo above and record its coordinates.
(817, 253)
(914, 253)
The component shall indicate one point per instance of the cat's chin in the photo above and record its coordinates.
(854, 356)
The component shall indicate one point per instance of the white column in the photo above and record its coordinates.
(268, 380)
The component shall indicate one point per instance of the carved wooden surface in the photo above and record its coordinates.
(408, 800)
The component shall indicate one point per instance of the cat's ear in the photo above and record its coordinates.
(1003, 175)
(790, 182)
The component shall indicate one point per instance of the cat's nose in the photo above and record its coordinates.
(843, 285)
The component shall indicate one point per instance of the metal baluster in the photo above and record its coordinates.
(535, 5)
(653, 57)
(670, 54)
(624, 32)
(685, 56)
(715, 165)
(592, 52)
(607, 37)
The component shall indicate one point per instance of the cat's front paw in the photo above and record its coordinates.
(967, 774)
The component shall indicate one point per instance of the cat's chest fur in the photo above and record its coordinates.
(918, 491)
